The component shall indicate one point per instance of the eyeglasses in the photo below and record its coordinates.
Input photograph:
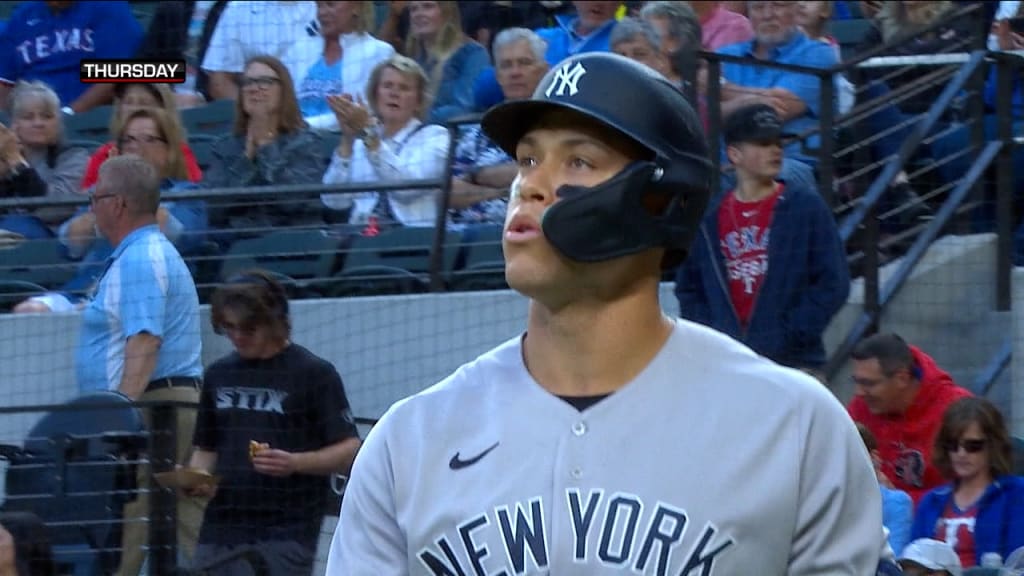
(971, 446)
(95, 198)
(263, 82)
(144, 140)
(233, 328)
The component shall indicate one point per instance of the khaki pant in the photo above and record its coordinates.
(190, 510)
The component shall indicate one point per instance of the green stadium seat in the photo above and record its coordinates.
(304, 256)
(38, 262)
(484, 266)
(216, 118)
(202, 146)
(395, 262)
(91, 125)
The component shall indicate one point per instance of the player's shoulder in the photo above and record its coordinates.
(469, 384)
(740, 372)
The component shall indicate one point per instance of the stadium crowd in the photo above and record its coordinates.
(358, 92)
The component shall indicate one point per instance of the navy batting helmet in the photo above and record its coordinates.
(610, 220)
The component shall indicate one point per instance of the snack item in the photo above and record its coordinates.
(255, 448)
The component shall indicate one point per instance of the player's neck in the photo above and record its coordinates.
(594, 349)
(753, 190)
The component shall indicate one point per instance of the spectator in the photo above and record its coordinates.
(450, 59)
(639, 41)
(900, 395)
(589, 30)
(897, 506)
(927, 557)
(167, 38)
(248, 29)
(45, 165)
(270, 145)
(779, 295)
(348, 54)
(155, 136)
(143, 320)
(795, 97)
(46, 40)
(388, 141)
(290, 402)
(981, 510)
(482, 172)
(127, 99)
(813, 17)
(721, 26)
(483, 20)
(25, 546)
(677, 26)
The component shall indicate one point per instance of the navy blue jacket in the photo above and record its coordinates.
(999, 525)
(807, 282)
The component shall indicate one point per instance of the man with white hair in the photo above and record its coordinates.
(639, 41)
(795, 97)
(482, 172)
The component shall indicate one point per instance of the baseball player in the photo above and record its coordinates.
(609, 438)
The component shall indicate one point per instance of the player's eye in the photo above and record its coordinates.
(578, 163)
(526, 161)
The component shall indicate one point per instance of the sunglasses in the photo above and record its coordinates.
(970, 446)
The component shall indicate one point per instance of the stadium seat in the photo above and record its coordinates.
(395, 262)
(215, 118)
(304, 257)
(76, 471)
(37, 262)
(201, 145)
(14, 291)
(90, 145)
(91, 125)
(484, 265)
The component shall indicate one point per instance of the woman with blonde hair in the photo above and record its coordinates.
(388, 141)
(127, 99)
(345, 55)
(451, 59)
(36, 161)
(155, 136)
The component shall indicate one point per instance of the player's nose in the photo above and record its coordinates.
(535, 186)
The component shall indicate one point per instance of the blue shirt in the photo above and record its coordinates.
(897, 516)
(321, 80)
(40, 45)
(799, 51)
(146, 288)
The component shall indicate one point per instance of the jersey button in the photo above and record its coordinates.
(579, 428)
(576, 473)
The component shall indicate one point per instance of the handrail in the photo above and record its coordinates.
(994, 369)
(853, 220)
(892, 287)
(311, 190)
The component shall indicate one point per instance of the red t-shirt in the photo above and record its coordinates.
(956, 528)
(743, 232)
(92, 169)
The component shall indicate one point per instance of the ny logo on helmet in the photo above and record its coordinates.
(566, 79)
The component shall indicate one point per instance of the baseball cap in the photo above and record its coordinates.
(754, 123)
(933, 555)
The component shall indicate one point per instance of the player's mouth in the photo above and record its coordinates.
(522, 229)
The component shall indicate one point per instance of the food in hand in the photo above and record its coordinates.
(256, 447)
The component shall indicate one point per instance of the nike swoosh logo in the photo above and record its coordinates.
(749, 214)
(456, 464)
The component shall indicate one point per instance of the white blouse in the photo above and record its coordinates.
(410, 154)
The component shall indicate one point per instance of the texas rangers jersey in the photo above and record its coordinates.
(713, 462)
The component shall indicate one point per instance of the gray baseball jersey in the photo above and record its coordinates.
(713, 461)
